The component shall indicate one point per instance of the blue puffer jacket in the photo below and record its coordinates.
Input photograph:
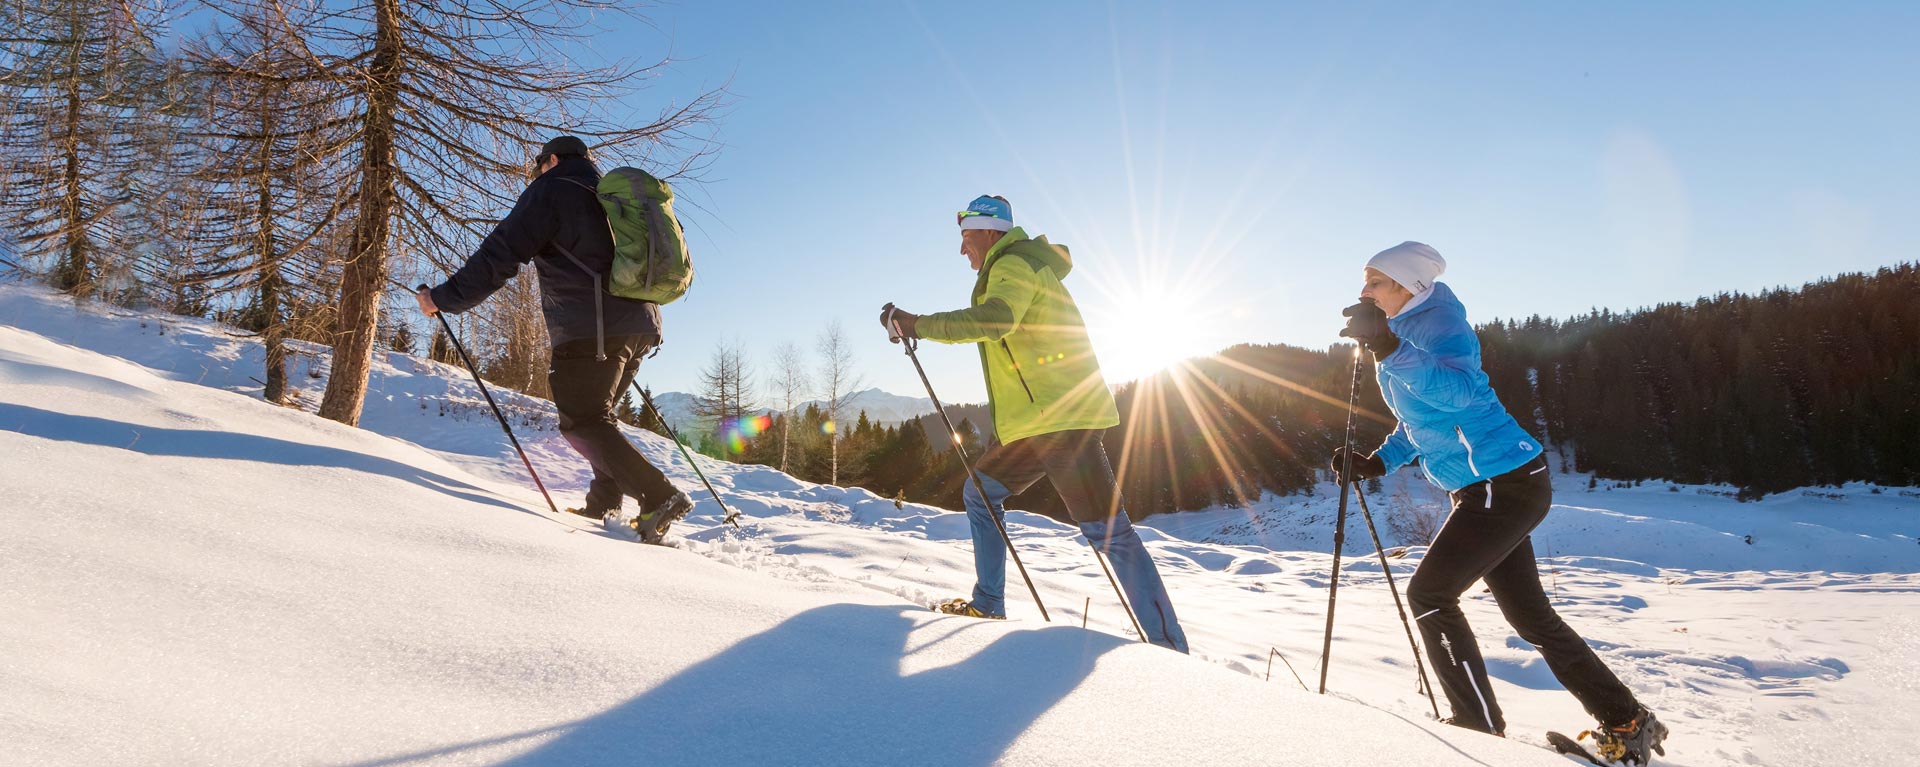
(1449, 416)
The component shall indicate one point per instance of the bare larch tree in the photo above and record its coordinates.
(76, 81)
(838, 381)
(444, 102)
(724, 387)
(268, 184)
(790, 382)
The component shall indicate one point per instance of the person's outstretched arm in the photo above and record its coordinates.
(1011, 288)
(514, 241)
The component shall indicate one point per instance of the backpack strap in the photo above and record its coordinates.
(599, 312)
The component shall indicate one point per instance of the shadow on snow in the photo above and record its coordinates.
(827, 685)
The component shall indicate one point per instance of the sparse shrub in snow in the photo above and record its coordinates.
(1414, 517)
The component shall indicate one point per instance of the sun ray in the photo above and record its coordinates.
(1277, 380)
(1212, 436)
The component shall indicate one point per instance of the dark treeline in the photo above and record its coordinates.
(1789, 388)
(1220, 430)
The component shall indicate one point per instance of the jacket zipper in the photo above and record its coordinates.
(1016, 370)
(1469, 445)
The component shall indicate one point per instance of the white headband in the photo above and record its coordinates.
(986, 222)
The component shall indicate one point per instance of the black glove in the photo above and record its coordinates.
(1365, 467)
(1367, 324)
(890, 318)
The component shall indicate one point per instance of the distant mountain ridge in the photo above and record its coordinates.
(882, 407)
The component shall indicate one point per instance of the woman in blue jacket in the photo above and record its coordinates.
(1427, 361)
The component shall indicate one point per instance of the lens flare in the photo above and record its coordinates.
(737, 432)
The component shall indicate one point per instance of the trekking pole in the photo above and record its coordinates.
(1340, 525)
(1418, 664)
(442, 316)
(1124, 604)
(961, 450)
(731, 515)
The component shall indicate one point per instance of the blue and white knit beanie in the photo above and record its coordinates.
(988, 212)
(1415, 265)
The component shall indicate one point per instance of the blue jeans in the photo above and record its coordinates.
(1076, 463)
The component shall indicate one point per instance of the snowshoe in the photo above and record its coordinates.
(964, 608)
(653, 522)
(1475, 726)
(588, 513)
(1630, 743)
(1569, 747)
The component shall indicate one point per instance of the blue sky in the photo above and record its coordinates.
(1223, 170)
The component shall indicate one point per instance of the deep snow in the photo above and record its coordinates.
(193, 576)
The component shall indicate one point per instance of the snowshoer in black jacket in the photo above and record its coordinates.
(598, 340)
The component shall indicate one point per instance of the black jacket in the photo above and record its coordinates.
(552, 213)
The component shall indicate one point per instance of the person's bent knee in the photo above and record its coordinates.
(1423, 595)
(970, 493)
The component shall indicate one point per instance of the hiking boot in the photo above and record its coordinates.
(653, 522)
(1630, 743)
(964, 608)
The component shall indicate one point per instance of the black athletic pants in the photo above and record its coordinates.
(1488, 536)
(586, 391)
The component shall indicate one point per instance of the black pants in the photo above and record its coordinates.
(1488, 536)
(586, 391)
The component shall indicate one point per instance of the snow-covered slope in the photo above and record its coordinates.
(191, 576)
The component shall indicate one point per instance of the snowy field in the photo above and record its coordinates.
(192, 576)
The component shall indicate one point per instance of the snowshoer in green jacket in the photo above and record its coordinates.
(1050, 407)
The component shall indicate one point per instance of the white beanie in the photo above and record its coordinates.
(1415, 265)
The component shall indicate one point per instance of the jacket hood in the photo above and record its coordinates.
(1047, 254)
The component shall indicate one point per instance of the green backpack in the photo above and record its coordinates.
(650, 260)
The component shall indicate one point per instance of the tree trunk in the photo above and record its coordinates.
(366, 268)
(275, 328)
(74, 274)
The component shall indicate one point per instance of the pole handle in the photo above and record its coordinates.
(895, 336)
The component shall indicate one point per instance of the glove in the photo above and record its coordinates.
(1365, 467)
(1367, 324)
(890, 318)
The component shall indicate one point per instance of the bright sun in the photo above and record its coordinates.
(1146, 322)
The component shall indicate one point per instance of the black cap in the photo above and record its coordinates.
(564, 145)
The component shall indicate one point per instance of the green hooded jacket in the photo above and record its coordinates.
(1042, 376)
